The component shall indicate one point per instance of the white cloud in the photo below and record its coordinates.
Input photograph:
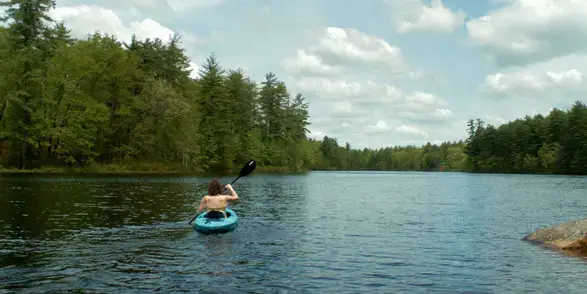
(380, 126)
(181, 5)
(495, 120)
(373, 107)
(535, 89)
(335, 89)
(526, 31)
(154, 8)
(304, 63)
(534, 84)
(443, 112)
(316, 134)
(411, 130)
(421, 100)
(340, 74)
(338, 50)
(411, 16)
(345, 125)
(146, 3)
(343, 107)
(86, 19)
(337, 44)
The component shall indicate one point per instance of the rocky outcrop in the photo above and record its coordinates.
(570, 237)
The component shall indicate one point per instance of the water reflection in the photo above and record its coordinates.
(424, 232)
(50, 209)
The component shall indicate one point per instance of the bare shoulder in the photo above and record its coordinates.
(229, 197)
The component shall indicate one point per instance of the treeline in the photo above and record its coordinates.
(96, 101)
(449, 156)
(77, 102)
(555, 144)
(66, 101)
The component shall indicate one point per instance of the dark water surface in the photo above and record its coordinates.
(343, 232)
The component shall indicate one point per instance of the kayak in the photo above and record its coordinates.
(215, 223)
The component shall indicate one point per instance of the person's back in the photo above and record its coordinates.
(215, 201)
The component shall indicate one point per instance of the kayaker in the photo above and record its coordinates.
(215, 201)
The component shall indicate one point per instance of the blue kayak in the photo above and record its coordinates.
(216, 223)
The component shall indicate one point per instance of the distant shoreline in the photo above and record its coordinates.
(136, 169)
(170, 170)
(106, 170)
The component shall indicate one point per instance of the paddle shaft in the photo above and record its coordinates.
(224, 190)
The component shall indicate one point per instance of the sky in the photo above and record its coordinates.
(377, 73)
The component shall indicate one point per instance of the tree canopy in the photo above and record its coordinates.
(99, 101)
(554, 144)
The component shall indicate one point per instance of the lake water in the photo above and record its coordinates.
(416, 233)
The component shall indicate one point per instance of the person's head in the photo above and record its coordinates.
(214, 188)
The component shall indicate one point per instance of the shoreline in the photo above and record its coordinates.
(149, 168)
(102, 171)
(146, 169)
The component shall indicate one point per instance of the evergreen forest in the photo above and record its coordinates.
(98, 104)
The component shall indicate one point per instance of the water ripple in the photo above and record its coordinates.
(421, 233)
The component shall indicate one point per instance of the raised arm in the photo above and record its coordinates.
(233, 194)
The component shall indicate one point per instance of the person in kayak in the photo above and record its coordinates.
(215, 203)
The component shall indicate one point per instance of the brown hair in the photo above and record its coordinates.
(214, 188)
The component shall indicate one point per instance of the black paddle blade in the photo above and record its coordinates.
(248, 168)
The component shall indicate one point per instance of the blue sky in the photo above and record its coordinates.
(378, 72)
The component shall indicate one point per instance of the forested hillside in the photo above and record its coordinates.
(71, 102)
(556, 143)
(99, 104)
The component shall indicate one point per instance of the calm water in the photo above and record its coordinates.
(419, 232)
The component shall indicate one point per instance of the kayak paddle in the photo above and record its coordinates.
(247, 169)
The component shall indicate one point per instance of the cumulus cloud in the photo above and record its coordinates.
(180, 5)
(338, 45)
(368, 93)
(539, 85)
(154, 8)
(86, 19)
(442, 112)
(401, 131)
(339, 50)
(522, 32)
(421, 100)
(416, 16)
(380, 126)
(534, 89)
(359, 102)
(346, 74)
(305, 63)
(411, 130)
(495, 120)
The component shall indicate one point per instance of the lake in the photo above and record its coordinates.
(343, 232)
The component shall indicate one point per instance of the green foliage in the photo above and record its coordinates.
(327, 154)
(99, 105)
(96, 104)
(553, 144)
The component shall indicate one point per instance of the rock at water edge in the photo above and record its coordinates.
(570, 236)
